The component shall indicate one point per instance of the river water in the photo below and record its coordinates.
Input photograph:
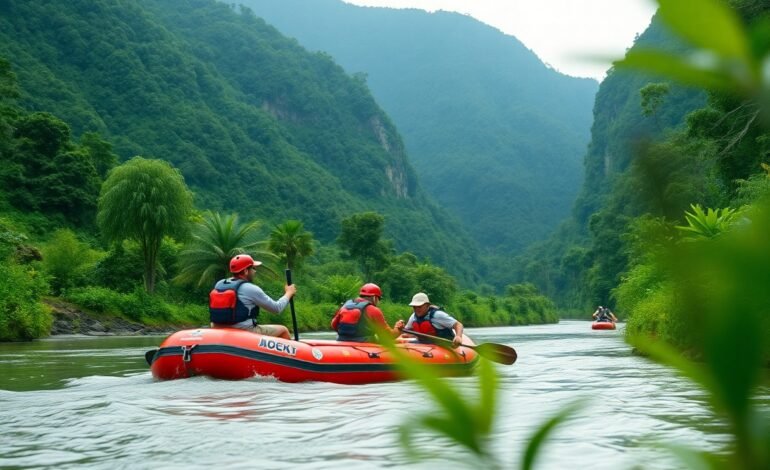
(91, 403)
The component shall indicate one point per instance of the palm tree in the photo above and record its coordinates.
(291, 242)
(215, 240)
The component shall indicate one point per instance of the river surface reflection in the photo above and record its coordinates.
(92, 403)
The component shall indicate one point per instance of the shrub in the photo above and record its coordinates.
(22, 315)
(95, 299)
(338, 289)
(68, 260)
(142, 307)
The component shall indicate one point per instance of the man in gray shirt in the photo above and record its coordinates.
(250, 298)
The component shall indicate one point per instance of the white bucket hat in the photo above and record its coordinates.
(419, 298)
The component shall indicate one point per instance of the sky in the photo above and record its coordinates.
(563, 33)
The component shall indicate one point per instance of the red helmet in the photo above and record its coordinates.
(241, 262)
(370, 289)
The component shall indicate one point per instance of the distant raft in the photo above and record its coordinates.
(603, 325)
(234, 354)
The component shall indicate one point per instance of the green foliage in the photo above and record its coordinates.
(100, 152)
(291, 242)
(255, 123)
(724, 280)
(733, 59)
(720, 282)
(137, 305)
(14, 244)
(707, 224)
(465, 419)
(435, 282)
(523, 304)
(121, 268)
(398, 280)
(754, 188)
(361, 237)
(215, 240)
(337, 289)
(653, 95)
(22, 314)
(652, 307)
(538, 439)
(144, 200)
(68, 261)
(44, 171)
(464, 422)
(9, 87)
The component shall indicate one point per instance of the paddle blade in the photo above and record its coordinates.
(149, 356)
(497, 353)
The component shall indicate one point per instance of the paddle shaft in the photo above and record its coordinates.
(291, 305)
(494, 352)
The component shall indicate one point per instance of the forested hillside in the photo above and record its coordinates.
(256, 124)
(585, 258)
(666, 164)
(495, 135)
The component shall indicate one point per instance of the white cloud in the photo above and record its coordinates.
(563, 33)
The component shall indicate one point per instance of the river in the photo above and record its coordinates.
(84, 402)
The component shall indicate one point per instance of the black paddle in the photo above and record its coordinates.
(492, 351)
(291, 304)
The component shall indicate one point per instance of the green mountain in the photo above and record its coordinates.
(495, 135)
(256, 123)
(586, 257)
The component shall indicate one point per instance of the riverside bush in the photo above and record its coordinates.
(22, 315)
(138, 306)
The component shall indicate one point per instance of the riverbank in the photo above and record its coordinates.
(68, 319)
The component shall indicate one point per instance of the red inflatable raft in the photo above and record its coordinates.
(603, 325)
(233, 354)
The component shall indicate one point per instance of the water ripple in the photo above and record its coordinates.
(121, 418)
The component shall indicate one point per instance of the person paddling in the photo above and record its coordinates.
(356, 319)
(432, 320)
(235, 302)
(604, 314)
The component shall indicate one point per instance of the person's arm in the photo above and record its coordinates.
(336, 320)
(458, 339)
(376, 317)
(399, 327)
(445, 320)
(258, 297)
(409, 324)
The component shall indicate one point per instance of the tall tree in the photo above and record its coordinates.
(144, 200)
(361, 237)
(291, 242)
(215, 240)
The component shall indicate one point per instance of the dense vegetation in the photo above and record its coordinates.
(255, 123)
(106, 117)
(495, 135)
(586, 256)
(674, 179)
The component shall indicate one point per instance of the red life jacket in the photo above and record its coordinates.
(224, 305)
(425, 325)
(353, 324)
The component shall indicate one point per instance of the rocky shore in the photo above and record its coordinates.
(69, 320)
